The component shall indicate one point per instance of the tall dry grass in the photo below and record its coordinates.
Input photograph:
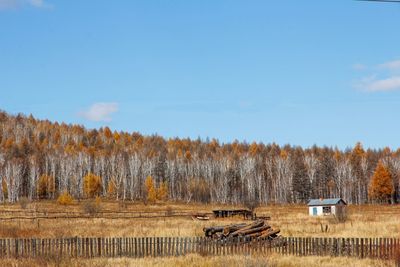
(199, 261)
(362, 221)
(293, 220)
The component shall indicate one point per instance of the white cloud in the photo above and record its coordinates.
(14, 4)
(100, 112)
(9, 4)
(372, 84)
(37, 3)
(386, 77)
(389, 84)
(359, 66)
(391, 65)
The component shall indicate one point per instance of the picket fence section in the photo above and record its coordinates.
(88, 247)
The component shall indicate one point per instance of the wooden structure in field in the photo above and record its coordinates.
(224, 213)
(328, 206)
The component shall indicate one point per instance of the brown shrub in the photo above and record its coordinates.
(91, 208)
(169, 211)
(122, 205)
(23, 202)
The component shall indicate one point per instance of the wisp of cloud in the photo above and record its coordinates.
(100, 112)
(15, 4)
(385, 78)
(391, 65)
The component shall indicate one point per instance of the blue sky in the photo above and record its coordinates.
(298, 72)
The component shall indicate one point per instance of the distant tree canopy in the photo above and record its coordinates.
(41, 159)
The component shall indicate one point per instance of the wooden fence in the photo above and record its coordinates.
(382, 248)
(7, 215)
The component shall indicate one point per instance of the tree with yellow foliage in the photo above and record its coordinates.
(107, 133)
(117, 136)
(111, 189)
(91, 185)
(46, 186)
(151, 192)
(381, 186)
(65, 199)
(253, 149)
(4, 189)
(188, 155)
(162, 191)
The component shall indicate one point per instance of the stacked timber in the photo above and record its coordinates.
(253, 230)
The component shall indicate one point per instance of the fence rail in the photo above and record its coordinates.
(7, 216)
(136, 247)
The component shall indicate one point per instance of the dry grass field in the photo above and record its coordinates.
(199, 261)
(293, 220)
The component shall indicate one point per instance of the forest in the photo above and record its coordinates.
(40, 159)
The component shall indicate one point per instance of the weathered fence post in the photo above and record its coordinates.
(89, 247)
(177, 239)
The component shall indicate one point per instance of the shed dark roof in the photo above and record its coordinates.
(326, 201)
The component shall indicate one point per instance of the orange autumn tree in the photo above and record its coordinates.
(111, 188)
(162, 191)
(153, 193)
(381, 186)
(91, 185)
(150, 189)
(46, 186)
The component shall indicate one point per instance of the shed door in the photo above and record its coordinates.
(314, 211)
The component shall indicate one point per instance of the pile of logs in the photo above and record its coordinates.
(253, 230)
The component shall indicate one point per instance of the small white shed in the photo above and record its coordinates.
(328, 206)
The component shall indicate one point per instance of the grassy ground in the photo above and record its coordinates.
(293, 220)
(196, 260)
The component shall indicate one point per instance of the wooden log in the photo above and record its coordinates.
(256, 224)
(255, 235)
(209, 231)
(217, 236)
(251, 231)
(268, 233)
(232, 228)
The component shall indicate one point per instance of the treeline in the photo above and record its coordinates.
(41, 159)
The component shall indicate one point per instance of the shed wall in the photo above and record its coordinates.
(320, 210)
(311, 210)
